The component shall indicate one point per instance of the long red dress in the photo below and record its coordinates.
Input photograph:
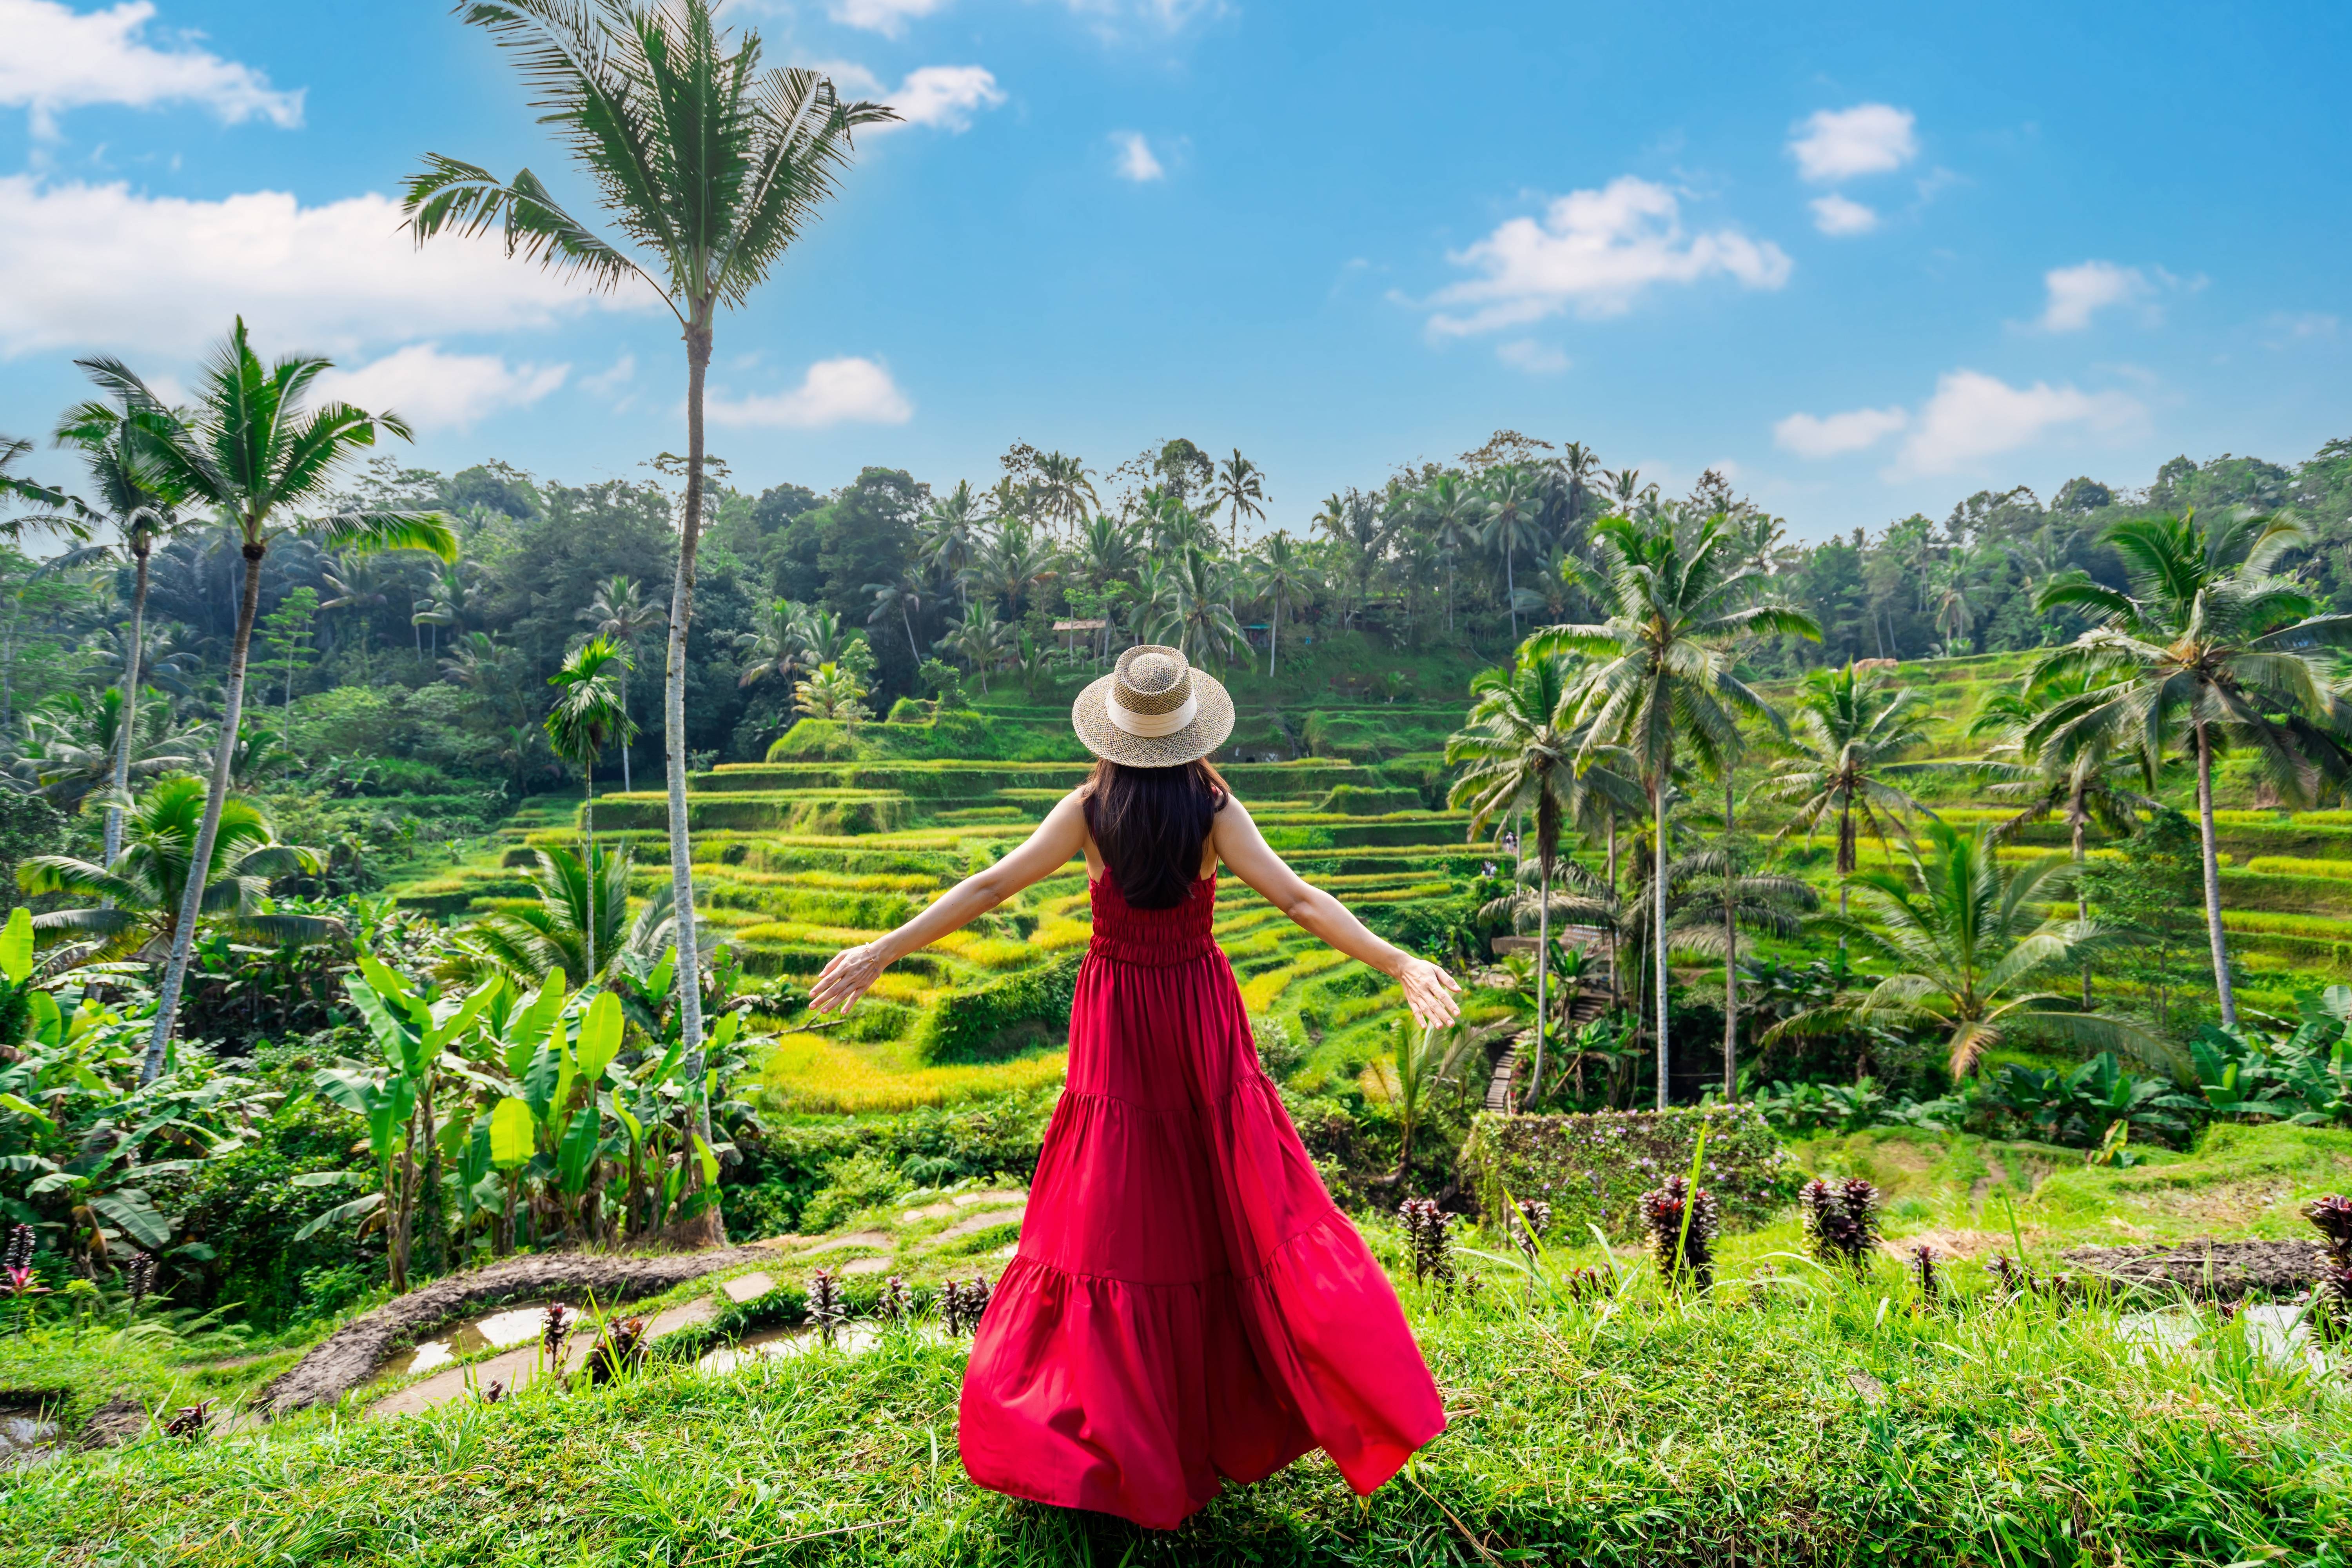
(1187, 1306)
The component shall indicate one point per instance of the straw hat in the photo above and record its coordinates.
(1155, 710)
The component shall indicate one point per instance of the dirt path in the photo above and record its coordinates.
(346, 1358)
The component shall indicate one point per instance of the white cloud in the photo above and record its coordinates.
(2078, 293)
(1828, 435)
(887, 17)
(612, 378)
(1535, 358)
(438, 391)
(1597, 251)
(56, 58)
(86, 267)
(944, 96)
(1975, 416)
(1835, 216)
(2285, 328)
(1868, 138)
(834, 392)
(1135, 160)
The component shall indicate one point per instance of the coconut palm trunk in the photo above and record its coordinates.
(130, 720)
(1658, 918)
(1730, 954)
(192, 899)
(711, 1227)
(628, 657)
(2077, 818)
(2228, 997)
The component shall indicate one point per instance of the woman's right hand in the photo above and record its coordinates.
(1428, 992)
(846, 975)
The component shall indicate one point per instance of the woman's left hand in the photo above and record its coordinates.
(846, 975)
(1428, 992)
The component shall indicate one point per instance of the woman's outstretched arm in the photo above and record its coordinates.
(1060, 837)
(1428, 990)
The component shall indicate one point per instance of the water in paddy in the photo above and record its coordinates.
(502, 1330)
(27, 1438)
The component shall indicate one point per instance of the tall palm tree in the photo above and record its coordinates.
(621, 614)
(580, 926)
(253, 454)
(143, 893)
(1106, 552)
(904, 599)
(710, 167)
(1240, 487)
(446, 604)
(1015, 564)
(2207, 637)
(1518, 752)
(2089, 786)
(361, 585)
(1065, 491)
(1288, 581)
(1965, 940)
(76, 746)
(124, 485)
(1207, 625)
(1849, 729)
(1452, 510)
(950, 538)
(1508, 524)
(588, 716)
(1679, 596)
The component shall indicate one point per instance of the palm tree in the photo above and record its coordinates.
(1288, 581)
(77, 747)
(1207, 625)
(621, 614)
(2206, 637)
(1015, 564)
(711, 168)
(143, 890)
(1240, 487)
(581, 927)
(358, 584)
(587, 716)
(2086, 788)
(1849, 729)
(903, 598)
(1965, 940)
(1508, 524)
(124, 485)
(1680, 596)
(978, 638)
(446, 601)
(950, 540)
(1518, 752)
(777, 644)
(57, 507)
(1066, 491)
(253, 454)
(1106, 552)
(1451, 509)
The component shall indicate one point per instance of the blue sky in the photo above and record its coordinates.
(1868, 258)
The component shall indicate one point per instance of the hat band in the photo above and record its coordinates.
(1150, 726)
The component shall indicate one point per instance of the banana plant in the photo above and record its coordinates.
(412, 1029)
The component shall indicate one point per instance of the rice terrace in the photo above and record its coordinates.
(1822, 985)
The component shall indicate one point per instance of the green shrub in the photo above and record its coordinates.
(1592, 1169)
(861, 1182)
(1366, 800)
(1001, 1017)
(815, 739)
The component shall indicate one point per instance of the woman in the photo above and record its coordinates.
(1187, 1306)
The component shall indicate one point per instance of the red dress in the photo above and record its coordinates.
(1187, 1307)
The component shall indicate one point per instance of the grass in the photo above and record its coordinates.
(811, 1074)
(1794, 1417)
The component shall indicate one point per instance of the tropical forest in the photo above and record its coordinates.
(1901, 1104)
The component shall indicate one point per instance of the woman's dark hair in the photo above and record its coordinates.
(1149, 824)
